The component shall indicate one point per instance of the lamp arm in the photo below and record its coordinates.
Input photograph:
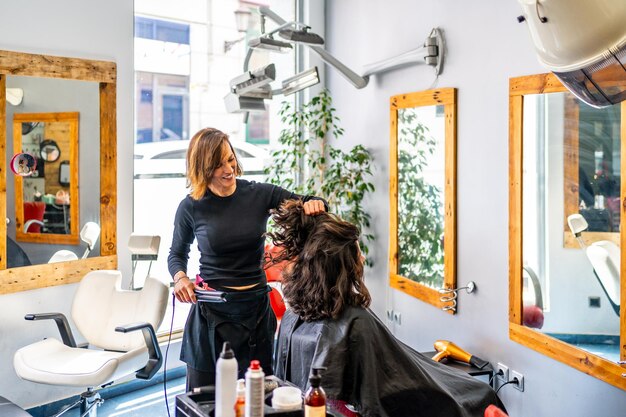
(430, 53)
(355, 79)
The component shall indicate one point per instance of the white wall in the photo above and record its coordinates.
(82, 29)
(485, 47)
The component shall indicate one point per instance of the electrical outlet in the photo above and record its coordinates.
(502, 372)
(390, 315)
(397, 317)
(520, 380)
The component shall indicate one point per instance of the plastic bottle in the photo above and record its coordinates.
(226, 383)
(255, 390)
(315, 397)
(240, 410)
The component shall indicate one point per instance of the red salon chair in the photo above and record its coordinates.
(33, 216)
(274, 278)
(493, 411)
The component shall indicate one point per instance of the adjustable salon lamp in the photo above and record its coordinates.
(584, 43)
(431, 53)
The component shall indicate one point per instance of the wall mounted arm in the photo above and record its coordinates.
(355, 79)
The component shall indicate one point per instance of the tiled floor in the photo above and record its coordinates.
(146, 402)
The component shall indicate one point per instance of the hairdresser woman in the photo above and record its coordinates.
(228, 218)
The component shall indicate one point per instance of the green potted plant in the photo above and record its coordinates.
(307, 162)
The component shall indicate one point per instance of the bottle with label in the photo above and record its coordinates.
(255, 390)
(240, 404)
(315, 397)
(226, 383)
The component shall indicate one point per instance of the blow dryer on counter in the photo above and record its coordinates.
(447, 349)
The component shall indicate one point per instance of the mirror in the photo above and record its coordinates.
(52, 86)
(564, 242)
(46, 210)
(423, 195)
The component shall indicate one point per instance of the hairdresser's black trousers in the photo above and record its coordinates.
(249, 325)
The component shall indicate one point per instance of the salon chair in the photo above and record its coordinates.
(604, 256)
(88, 234)
(274, 280)
(108, 317)
(532, 312)
(33, 216)
(8, 409)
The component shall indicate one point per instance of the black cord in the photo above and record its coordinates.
(513, 381)
(169, 339)
(493, 376)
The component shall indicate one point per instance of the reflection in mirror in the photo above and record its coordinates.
(45, 208)
(52, 84)
(23, 164)
(421, 176)
(422, 194)
(592, 170)
(567, 275)
(565, 168)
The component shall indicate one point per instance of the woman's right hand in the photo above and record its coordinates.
(184, 290)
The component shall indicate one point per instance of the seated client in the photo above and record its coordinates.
(329, 325)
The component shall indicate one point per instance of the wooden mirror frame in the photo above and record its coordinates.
(70, 238)
(582, 360)
(105, 73)
(447, 98)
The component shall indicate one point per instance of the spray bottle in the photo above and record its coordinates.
(315, 397)
(255, 390)
(240, 405)
(226, 383)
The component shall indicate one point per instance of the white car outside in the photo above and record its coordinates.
(167, 159)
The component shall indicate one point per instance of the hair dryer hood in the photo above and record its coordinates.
(584, 43)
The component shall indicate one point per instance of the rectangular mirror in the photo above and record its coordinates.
(565, 173)
(46, 203)
(423, 195)
(65, 87)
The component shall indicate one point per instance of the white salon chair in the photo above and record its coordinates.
(88, 234)
(108, 317)
(604, 256)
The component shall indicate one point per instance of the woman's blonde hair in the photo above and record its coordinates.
(204, 156)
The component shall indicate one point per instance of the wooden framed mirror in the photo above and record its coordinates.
(423, 195)
(563, 303)
(47, 200)
(69, 76)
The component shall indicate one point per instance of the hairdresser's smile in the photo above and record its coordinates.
(223, 182)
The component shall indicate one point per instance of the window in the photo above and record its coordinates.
(161, 30)
(164, 115)
(178, 92)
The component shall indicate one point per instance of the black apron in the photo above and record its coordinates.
(247, 322)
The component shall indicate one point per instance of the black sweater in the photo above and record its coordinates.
(229, 231)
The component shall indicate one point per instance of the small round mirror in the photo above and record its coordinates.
(49, 150)
(23, 164)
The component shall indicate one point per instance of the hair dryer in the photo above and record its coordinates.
(447, 349)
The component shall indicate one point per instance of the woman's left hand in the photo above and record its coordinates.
(314, 207)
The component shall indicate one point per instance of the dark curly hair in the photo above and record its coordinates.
(324, 274)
